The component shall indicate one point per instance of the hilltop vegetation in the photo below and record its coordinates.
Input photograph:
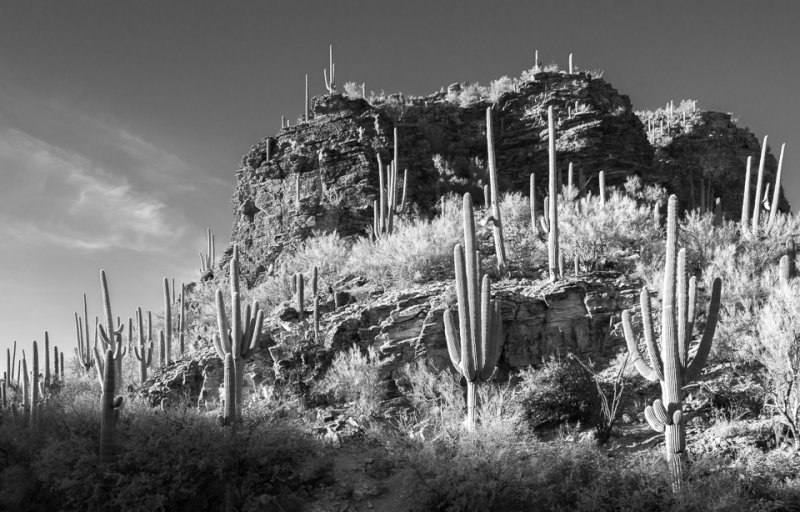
(341, 370)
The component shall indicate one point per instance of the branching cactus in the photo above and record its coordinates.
(671, 366)
(109, 337)
(110, 407)
(207, 259)
(83, 351)
(497, 221)
(475, 347)
(330, 83)
(385, 207)
(144, 352)
(235, 341)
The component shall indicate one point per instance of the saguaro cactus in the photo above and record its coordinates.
(167, 326)
(532, 199)
(207, 260)
(552, 225)
(34, 419)
(773, 211)
(109, 337)
(329, 82)
(299, 295)
(144, 352)
(759, 183)
(109, 409)
(235, 341)
(182, 320)
(672, 367)
(743, 223)
(475, 350)
(497, 222)
(83, 352)
(602, 180)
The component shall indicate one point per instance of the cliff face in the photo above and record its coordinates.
(701, 154)
(321, 175)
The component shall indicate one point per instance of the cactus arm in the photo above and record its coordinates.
(253, 334)
(649, 337)
(221, 352)
(463, 302)
(487, 326)
(492, 346)
(653, 421)
(703, 349)
(236, 327)
(222, 324)
(633, 349)
(453, 343)
(692, 311)
(532, 200)
(683, 310)
(469, 353)
(746, 199)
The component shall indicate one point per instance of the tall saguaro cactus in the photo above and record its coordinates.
(109, 413)
(743, 223)
(552, 235)
(497, 224)
(167, 325)
(330, 84)
(773, 211)
(109, 337)
(475, 349)
(759, 183)
(144, 352)
(671, 367)
(235, 341)
(83, 351)
(34, 419)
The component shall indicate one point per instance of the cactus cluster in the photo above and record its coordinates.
(207, 260)
(235, 341)
(474, 347)
(386, 207)
(672, 366)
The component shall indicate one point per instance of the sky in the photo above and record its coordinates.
(122, 123)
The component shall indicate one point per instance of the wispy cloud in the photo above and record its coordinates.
(56, 197)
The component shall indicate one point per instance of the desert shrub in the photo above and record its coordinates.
(436, 397)
(522, 247)
(698, 235)
(165, 460)
(648, 194)
(777, 347)
(417, 251)
(355, 378)
(499, 87)
(352, 90)
(470, 94)
(599, 234)
(559, 390)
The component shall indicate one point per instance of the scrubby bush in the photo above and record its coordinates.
(417, 251)
(600, 235)
(557, 391)
(355, 378)
(499, 87)
(777, 347)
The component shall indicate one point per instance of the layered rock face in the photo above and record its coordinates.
(580, 315)
(702, 156)
(321, 175)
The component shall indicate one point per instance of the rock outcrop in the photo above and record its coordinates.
(700, 153)
(321, 175)
(580, 315)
